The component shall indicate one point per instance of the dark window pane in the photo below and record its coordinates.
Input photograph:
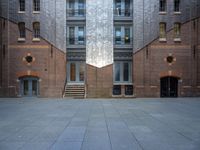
(26, 87)
(36, 5)
(126, 72)
(22, 30)
(71, 35)
(34, 87)
(162, 5)
(128, 90)
(117, 90)
(176, 5)
(21, 5)
(117, 71)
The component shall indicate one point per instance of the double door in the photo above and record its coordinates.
(169, 87)
(29, 86)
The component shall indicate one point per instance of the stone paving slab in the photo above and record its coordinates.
(100, 124)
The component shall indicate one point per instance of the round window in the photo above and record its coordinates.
(170, 59)
(29, 59)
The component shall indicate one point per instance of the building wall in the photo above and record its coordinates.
(49, 64)
(99, 81)
(52, 18)
(150, 63)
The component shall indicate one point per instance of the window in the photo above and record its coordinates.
(36, 5)
(122, 8)
(22, 30)
(123, 35)
(36, 30)
(76, 8)
(117, 90)
(176, 5)
(76, 35)
(162, 30)
(21, 5)
(122, 71)
(128, 89)
(177, 30)
(162, 7)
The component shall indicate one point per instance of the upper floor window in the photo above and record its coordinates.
(163, 6)
(123, 35)
(21, 5)
(76, 35)
(122, 71)
(36, 30)
(76, 8)
(22, 30)
(177, 30)
(162, 30)
(122, 8)
(177, 5)
(36, 5)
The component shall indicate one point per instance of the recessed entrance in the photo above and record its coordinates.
(29, 86)
(169, 87)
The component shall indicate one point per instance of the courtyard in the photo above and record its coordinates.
(100, 124)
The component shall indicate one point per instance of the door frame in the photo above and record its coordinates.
(169, 82)
(30, 80)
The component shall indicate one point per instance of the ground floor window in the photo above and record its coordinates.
(29, 86)
(122, 72)
(126, 90)
(75, 72)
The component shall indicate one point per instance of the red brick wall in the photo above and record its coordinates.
(150, 64)
(99, 81)
(49, 65)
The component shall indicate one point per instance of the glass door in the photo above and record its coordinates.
(76, 72)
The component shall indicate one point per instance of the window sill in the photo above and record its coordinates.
(177, 13)
(122, 83)
(177, 39)
(36, 12)
(162, 13)
(21, 40)
(162, 40)
(36, 40)
(21, 12)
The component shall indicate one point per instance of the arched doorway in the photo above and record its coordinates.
(169, 87)
(29, 86)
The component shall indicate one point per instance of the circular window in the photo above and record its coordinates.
(29, 59)
(170, 59)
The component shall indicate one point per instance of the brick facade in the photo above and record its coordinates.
(49, 64)
(99, 81)
(149, 64)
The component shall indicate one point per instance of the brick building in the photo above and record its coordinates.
(105, 48)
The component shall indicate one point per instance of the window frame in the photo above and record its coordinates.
(121, 72)
(161, 7)
(20, 4)
(22, 30)
(122, 38)
(36, 6)
(36, 31)
(76, 35)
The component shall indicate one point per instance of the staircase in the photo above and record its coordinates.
(74, 91)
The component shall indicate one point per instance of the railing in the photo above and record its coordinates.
(123, 12)
(76, 41)
(123, 41)
(76, 12)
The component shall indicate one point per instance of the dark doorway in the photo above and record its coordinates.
(169, 87)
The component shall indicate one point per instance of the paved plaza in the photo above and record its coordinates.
(100, 124)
